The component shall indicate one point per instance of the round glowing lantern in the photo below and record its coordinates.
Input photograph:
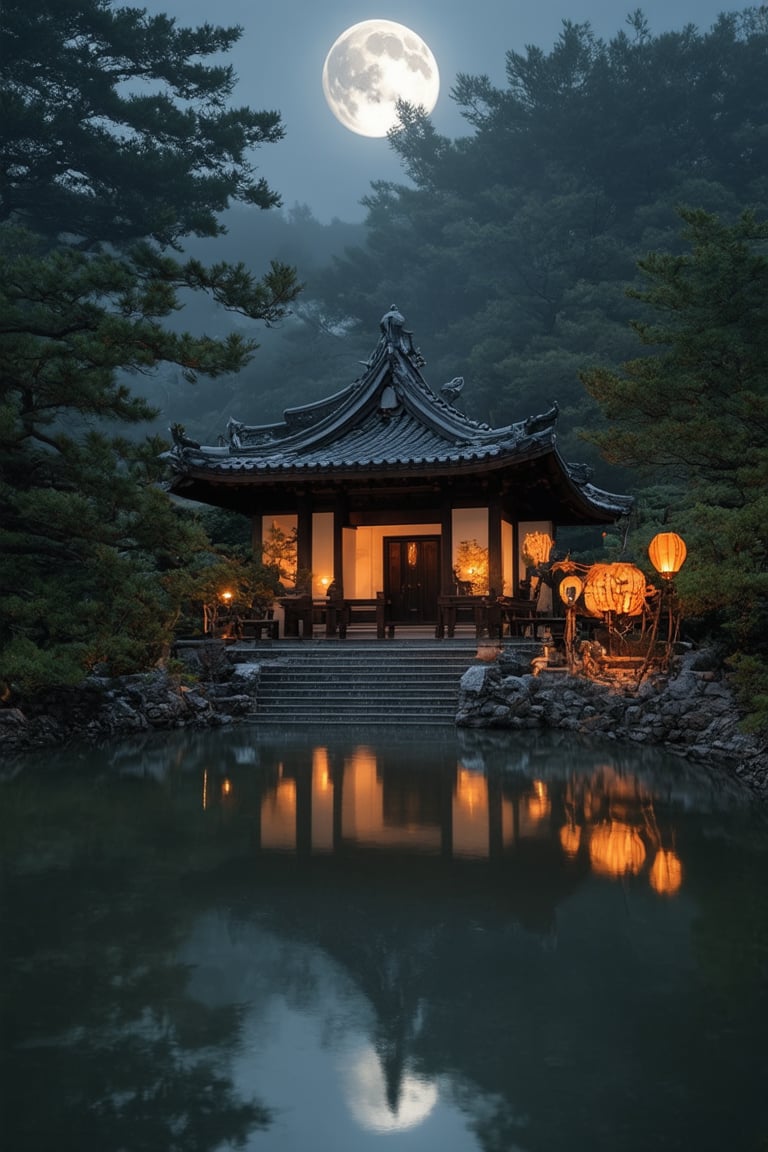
(667, 551)
(571, 587)
(666, 873)
(615, 848)
(618, 588)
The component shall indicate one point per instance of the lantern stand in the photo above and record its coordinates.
(569, 590)
(667, 553)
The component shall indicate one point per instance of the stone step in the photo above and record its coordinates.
(363, 676)
(362, 681)
(378, 683)
(383, 720)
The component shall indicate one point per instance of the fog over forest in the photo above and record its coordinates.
(509, 247)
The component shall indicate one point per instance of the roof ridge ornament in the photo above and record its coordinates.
(450, 392)
(542, 422)
(397, 338)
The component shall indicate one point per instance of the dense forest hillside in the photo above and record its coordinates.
(510, 249)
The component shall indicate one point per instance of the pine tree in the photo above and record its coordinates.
(116, 141)
(696, 411)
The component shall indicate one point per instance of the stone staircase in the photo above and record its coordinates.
(361, 683)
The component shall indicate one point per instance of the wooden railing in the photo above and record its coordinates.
(334, 616)
(493, 617)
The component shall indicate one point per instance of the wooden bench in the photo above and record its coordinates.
(255, 629)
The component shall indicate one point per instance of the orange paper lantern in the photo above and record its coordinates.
(618, 588)
(667, 551)
(571, 587)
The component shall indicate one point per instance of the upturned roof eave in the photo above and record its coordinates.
(228, 470)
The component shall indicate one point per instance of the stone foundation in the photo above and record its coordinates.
(691, 712)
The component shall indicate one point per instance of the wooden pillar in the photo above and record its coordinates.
(257, 534)
(304, 534)
(495, 580)
(515, 558)
(339, 523)
(447, 579)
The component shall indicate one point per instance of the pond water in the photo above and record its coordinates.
(350, 941)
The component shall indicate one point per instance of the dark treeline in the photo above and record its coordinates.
(511, 249)
(590, 217)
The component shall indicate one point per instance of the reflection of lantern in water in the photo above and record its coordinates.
(615, 848)
(226, 787)
(539, 804)
(471, 790)
(666, 873)
(570, 840)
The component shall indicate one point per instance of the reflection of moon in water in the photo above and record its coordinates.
(367, 1093)
(370, 67)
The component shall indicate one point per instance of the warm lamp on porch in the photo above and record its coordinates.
(536, 548)
(667, 552)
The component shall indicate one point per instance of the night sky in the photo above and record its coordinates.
(280, 56)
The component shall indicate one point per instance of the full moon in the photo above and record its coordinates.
(373, 65)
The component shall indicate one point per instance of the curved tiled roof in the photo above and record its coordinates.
(389, 421)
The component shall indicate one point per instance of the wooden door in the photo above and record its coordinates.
(412, 578)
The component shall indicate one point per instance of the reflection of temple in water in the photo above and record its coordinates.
(435, 880)
(316, 802)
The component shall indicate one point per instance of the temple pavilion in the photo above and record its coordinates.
(389, 488)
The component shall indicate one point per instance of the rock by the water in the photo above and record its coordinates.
(104, 707)
(690, 712)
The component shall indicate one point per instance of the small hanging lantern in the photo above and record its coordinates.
(618, 588)
(536, 548)
(570, 589)
(667, 552)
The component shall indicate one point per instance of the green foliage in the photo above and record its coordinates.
(115, 125)
(750, 677)
(511, 255)
(280, 551)
(199, 588)
(96, 905)
(696, 410)
(97, 180)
